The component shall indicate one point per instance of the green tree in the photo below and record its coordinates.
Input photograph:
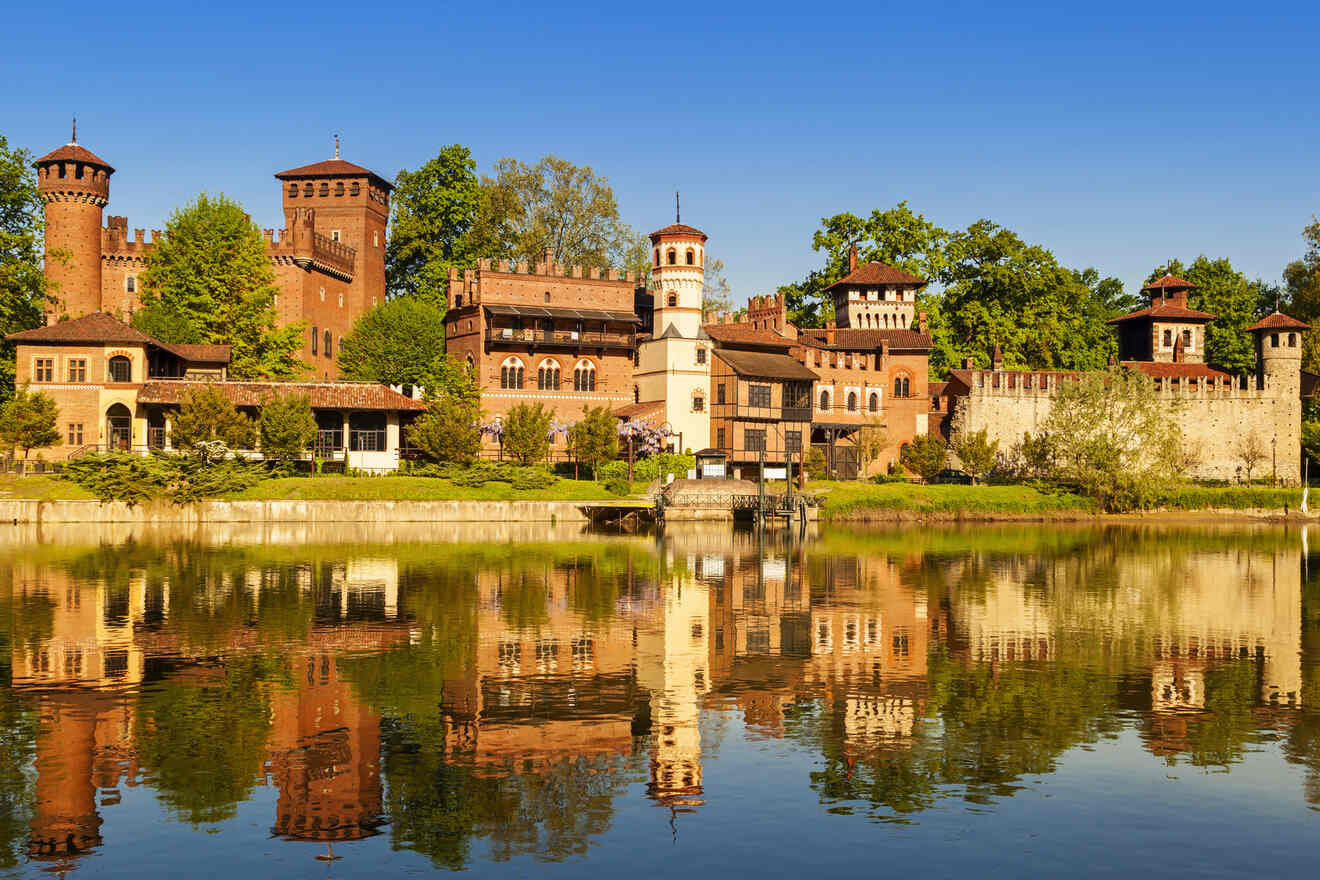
(1233, 299)
(27, 421)
(527, 432)
(394, 343)
(925, 456)
(1116, 439)
(448, 430)
(168, 323)
(976, 452)
(212, 268)
(205, 414)
(552, 204)
(288, 428)
(872, 441)
(716, 296)
(22, 282)
(595, 439)
(448, 376)
(1301, 280)
(434, 211)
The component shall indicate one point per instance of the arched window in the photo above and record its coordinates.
(307, 189)
(325, 189)
(511, 373)
(852, 401)
(329, 346)
(657, 256)
(1168, 338)
(691, 257)
(315, 337)
(672, 300)
(339, 187)
(293, 190)
(902, 386)
(354, 188)
(121, 369)
(584, 376)
(130, 284)
(547, 375)
(1292, 340)
(824, 400)
(471, 366)
(873, 403)
(672, 257)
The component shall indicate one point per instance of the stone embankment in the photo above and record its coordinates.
(20, 510)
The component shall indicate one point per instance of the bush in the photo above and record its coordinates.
(288, 428)
(656, 467)
(926, 456)
(527, 432)
(448, 430)
(482, 472)
(121, 476)
(618, 486)
(204, 414)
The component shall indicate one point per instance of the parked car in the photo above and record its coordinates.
(952, 475)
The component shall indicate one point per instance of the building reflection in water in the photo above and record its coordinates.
(553, 665)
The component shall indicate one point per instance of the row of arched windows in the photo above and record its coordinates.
(852, 401)
(513, 374)
(323, 189)
(329, 346)
(671, 257)
(900, 322)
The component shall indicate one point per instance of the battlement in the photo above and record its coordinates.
(1045, 384)
(768, 312)
(550, 269)
(115, 241)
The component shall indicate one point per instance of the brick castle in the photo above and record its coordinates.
(329, 259)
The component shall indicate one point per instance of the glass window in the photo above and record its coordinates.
(315, 337)
(691, 257)
(293, 190)
(325, 189)
(852, 401)
(121, 369)
(758, 395)
(824, 400)
(1168, 338)
(673, 257)
(329, 347)
(793, 441)
(339, 188)
(719, 438)
(701, 355)
(698, 404)
(75, 433)
(44, 370)
(873, 404)
(672, 300)
(754, 439)
(719, 393)
(354, 188)
(78, 370)
(130, 284)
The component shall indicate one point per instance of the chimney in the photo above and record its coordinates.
(969, 364)
(997, 358)
(548, 258)
(829, 332)
(921, 322)
(852, 258)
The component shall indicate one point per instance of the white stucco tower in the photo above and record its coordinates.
(673, 366)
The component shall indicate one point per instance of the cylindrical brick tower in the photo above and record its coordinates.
(75, 186)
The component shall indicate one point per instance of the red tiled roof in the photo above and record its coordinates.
(1169, 282)
(1158, 370)
(678, 229)
(74, 153)
(324, 395)
(1279, 321)
(333, 168)
(763, 365)
(866, 340)
(746, 334)
(199, 354)
(648, 408)
(936, 388)
(877, 273)
(1165, 311)
(93, 328)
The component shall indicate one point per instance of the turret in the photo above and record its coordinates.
(678, 272)
(1279, 353)
(75, 187)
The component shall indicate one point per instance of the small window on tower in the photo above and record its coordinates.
(375, 239)
(672, 300)
(657, 256)
(307, 189)
(354, 188)
(293, 190)
(339, 187)
(701, 355)
(328, 342)
(547, 296)
(673, 257)
(130, 284)
(314, 338)
(341, 299)
(334, 235)
(325, 189)
(691, 257)
(322, 294)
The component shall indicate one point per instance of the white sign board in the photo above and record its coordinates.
(711, 470)
(776, 473)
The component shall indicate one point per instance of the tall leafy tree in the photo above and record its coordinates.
(27, 421)
(22, 282)
(716, 296)
(288, 428)
(595, 439)
(212, 277)
(553, 204)
(1235, 301)
(395, 343)
(434, 211)
(1301, 280)
(206, 414)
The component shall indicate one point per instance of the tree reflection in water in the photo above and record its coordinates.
(494, 701)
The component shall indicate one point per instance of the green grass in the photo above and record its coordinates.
(849, 500)
(42, 488)
(1232, 498)
(342, 488)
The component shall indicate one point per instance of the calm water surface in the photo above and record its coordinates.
(416, 700)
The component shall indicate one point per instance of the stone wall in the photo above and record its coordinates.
(18, 511)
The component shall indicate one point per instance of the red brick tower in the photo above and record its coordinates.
(75, 186)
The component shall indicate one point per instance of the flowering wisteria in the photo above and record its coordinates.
(494, 430)
(647, 437)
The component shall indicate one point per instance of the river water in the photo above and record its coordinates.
(407, 701)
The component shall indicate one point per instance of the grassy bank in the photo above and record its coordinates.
(42, 488)
(849, 500)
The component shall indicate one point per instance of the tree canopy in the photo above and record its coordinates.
(210, 281)
(27, 421)
(1301, 280)
(22, 281)
(395, 343)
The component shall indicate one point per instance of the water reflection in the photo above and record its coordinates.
(476, 702)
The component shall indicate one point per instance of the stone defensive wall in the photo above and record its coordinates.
(22, 511)
(1213, 415)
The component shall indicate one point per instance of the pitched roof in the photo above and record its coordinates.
(1279, 321)
(865, 340)
(199, 354)
(333, 168)
(679, 229)
(1160, 370)
(1169, 282)
(1164, 311)
(324, 395)
(876, 273)
(96, 327)
(74, 153)
(761, 365)
(746, 334)
(648, 408)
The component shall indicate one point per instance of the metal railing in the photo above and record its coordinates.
(155, 438)
(568, 338)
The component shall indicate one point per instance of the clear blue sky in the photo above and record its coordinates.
(1117, 135)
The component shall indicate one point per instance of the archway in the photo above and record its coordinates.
(118, 428)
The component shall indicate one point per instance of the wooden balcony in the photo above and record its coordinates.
(559, 339)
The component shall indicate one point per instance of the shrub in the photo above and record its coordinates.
(448, 430)
(205, 413)
(618, 486)
(595, 440)
(527, 432)
(926, 456)
(120, 476)
(976, 452)
(656, 467)
(288, 428)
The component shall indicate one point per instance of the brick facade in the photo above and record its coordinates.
(328, 260)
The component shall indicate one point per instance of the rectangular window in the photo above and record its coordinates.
(793, 441)
(758, 395)
(701, 355)
(75, 434)
(698, 404)
(313, 340)
(754, 439)
(77, 370)
(44, 370)
(719, 438)
(719, 393)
